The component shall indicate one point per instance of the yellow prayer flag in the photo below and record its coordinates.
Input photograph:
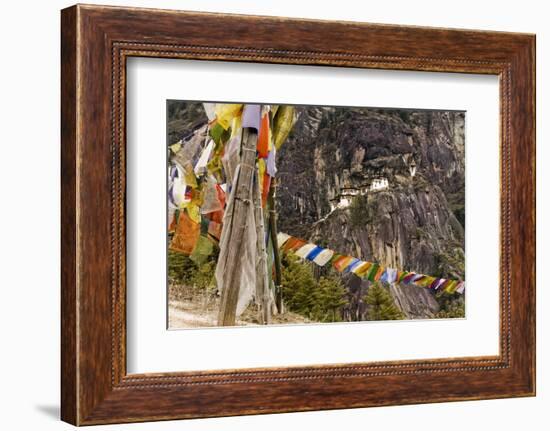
(261, 173)
(426, 281)
(451, 287)
(236, 126)
(176, 147)
(189, 176)
(270, 139)
(194, 213)
(261, 168)
(361, 269)
(284, 120)
(225, 113)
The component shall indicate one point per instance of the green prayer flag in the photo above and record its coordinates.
(217, 133)
(202, 250)
(372, 272)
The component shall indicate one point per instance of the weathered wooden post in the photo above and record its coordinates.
(276, 255)
(236, 231)
(262, 281)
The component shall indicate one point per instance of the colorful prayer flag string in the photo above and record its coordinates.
(367, 270)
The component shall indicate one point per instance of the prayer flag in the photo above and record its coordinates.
(355, 262)
(304, 250)
(451, 287)
(251, 117)
(373, 271)
(216, 132)
(283, 122)
(176, 147)
(314, 253)
(186, 234)
(210, 110)
(202, 250)
(408, 278)
(440, 283)
(225, 113)
(215, 229)
(343, 263)
(203, 159)
(282, 238)
(401, 275)
(391, 275)
(263, 137)
(360, 270)
(323, 257)
(378, 274)
(271, 168)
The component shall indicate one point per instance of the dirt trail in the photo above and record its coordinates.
(185, 313)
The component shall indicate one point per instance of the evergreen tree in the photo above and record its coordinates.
(332, 297)
(319, 301)
(299, 287)
(381, 304)
(451, 306)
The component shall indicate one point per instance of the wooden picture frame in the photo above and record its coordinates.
(95, 43)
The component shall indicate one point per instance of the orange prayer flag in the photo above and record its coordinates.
(263, 137)
(293, 244)
(299, 244)
(172, 226)
(342, 263)
(379, 273)
(186, 235)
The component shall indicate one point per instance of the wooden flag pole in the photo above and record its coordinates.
(276, 255)
(262, 282)
(237, 230)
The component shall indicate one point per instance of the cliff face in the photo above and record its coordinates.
(406, 170)
(183, 119)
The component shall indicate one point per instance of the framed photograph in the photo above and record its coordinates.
(267, 215)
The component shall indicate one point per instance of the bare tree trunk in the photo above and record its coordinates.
(262, 281)
(237, 230)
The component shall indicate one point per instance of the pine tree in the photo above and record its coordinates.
(381, 304)
(299, 287)
(332, 297)
(319, 301)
